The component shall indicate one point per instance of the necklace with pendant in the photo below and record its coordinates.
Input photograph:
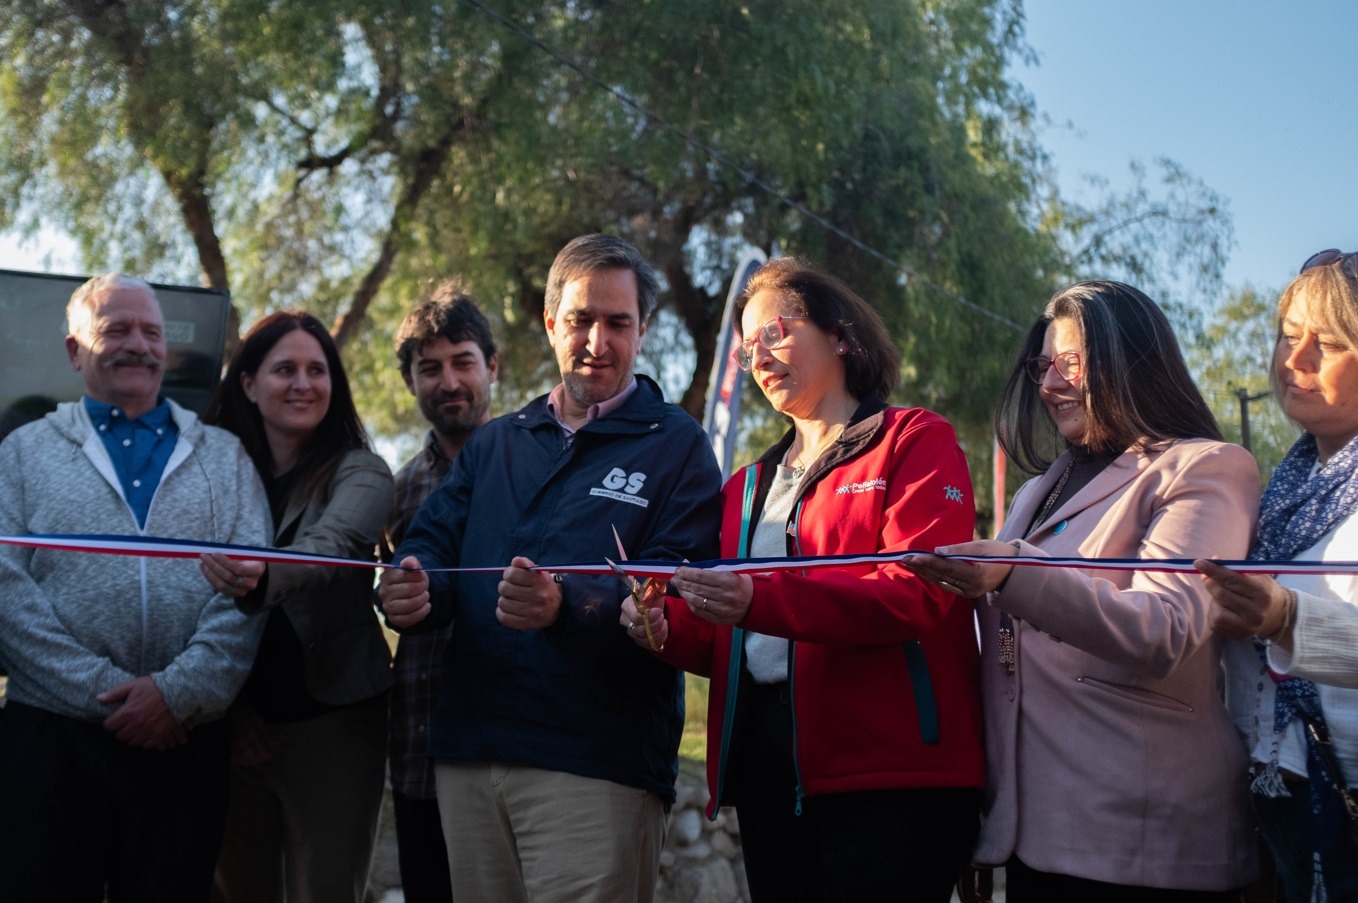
(799, 469)
(1008, 648)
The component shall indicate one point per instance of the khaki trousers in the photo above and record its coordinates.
(517, 834)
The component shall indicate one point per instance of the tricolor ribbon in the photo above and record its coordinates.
(157, 547)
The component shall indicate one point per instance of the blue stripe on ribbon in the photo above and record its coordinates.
(157, 547)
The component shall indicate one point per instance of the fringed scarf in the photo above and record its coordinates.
(1296, 512)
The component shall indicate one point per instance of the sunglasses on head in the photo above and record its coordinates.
(1331, 256)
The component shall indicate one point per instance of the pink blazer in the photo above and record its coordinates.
(1109, 751)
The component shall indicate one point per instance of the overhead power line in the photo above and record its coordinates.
(725, 160)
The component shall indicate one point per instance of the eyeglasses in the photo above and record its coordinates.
(769, 335)
(1068, 365)
(1330, 256)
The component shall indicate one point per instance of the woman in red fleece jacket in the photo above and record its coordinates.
(844, 720)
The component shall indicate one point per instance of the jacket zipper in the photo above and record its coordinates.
(795, 527)
(728, 717)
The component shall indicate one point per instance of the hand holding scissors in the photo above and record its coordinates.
(647, 606)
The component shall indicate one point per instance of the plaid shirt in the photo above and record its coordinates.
(419, 657)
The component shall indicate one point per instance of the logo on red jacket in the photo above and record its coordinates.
(877, 485)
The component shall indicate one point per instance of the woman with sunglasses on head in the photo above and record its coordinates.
(1295, 669)
(1114, 771)
(844, 713)
(309, 728)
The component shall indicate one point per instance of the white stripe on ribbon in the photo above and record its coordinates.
(156, 547)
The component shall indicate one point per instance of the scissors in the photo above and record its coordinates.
(640, 590)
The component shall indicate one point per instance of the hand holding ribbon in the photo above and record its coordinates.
(529, 599)
(404, 592)
(232, 577)
(1248, 605)
(968, 579)
(721, 597)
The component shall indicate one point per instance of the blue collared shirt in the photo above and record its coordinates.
(140, 449)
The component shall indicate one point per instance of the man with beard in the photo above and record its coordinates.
(113, 754)
(448, 360)
(556, 737)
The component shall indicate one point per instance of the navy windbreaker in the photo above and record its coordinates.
(578, 697)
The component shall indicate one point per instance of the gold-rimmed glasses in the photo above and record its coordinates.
(1068, 365)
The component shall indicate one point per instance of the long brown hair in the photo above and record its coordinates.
(1138, 391)
(339, 431)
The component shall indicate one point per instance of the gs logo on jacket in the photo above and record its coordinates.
(578, 696)
(622, 486)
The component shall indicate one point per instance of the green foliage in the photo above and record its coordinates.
(342, 155)
(1234, 356)
(693, 742)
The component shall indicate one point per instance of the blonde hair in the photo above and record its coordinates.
(1333, 294)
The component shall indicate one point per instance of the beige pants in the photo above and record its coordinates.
(517, 834)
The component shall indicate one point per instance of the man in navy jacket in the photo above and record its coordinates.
(556, 737)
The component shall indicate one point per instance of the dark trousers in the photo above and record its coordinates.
(85, 814)
(301, 825)
(422, 855)
(1286, 825)
(1026, 885)
(869, 845)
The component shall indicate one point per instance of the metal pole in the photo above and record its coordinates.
(1245, 399)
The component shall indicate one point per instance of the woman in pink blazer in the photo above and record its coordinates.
(1114, 770)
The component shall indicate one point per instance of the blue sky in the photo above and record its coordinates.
(1256, 99)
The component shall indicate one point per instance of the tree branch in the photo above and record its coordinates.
(428, 164)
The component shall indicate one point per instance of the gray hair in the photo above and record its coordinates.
(80, 309)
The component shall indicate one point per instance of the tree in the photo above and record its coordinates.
(339, 155)
(1168, 233)
(1235, 356)
(333, 120)
(95, 97)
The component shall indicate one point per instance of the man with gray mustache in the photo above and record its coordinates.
(113, 754)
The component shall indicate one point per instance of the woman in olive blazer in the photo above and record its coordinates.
(344, 652)
(1114, 771)
(309, 729)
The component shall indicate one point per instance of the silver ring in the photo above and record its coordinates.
(704, 605)
(238, 581)
(632, 628)
(952, 586)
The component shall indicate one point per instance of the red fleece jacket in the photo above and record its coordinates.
(895, 480)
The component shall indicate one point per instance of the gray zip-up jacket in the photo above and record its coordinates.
(74, 624)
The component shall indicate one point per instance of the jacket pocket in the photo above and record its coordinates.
(922, 687)
(1136, 694)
